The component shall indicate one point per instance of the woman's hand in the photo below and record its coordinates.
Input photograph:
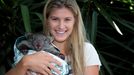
(40, 62)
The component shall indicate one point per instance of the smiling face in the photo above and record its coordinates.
(61, 22)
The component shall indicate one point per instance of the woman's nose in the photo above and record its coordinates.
(61, 24)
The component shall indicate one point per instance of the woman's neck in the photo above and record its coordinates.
(61, 46)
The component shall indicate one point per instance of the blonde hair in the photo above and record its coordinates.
(78, 36)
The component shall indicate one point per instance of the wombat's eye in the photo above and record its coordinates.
(47, 40)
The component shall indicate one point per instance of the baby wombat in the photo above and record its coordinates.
(34, 42)
(37, 42)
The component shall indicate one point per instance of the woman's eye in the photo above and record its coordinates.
(67, 19)
(54, 18)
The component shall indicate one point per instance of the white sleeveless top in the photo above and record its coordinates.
(90, 55)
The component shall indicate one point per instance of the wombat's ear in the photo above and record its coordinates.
(28, 35)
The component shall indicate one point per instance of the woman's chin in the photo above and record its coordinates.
(60, 39)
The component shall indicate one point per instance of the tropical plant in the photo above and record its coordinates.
(17, 16)
(109, 24)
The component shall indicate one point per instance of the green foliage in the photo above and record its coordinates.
(26, 18)
(104, 21)
(17, 17)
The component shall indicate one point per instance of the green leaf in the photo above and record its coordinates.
(2, 2)
(26, 18)
(107, 16)
(40, 16)
(94, 27)
(105, 63)
(125, 23)
(117, 42)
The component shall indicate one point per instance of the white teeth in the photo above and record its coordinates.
(60, 32)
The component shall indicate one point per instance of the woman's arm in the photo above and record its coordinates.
(19, 69)
(37, 62)
(92, 70)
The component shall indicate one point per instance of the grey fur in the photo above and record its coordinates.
(37, 42)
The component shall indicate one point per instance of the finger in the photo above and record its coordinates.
(52, 66)
(55, 61)
(39, 74)
(46, 69)
(50, 58)
(42, 70)
(28, 73)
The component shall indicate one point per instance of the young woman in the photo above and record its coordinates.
(62, 21)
